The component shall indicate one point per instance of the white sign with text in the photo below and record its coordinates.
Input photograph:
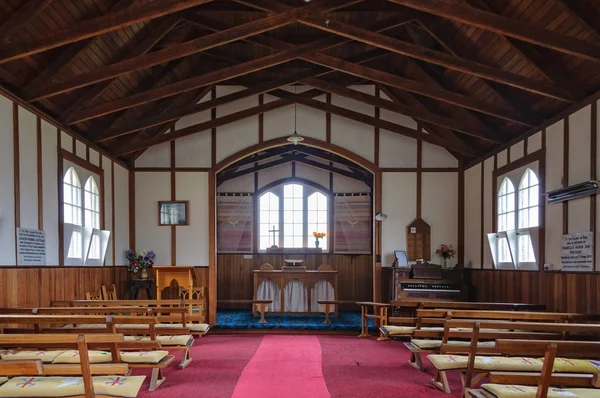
(31, 246)
(578, 252)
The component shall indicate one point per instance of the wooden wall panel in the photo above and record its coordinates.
(235, 278)
(559, 292)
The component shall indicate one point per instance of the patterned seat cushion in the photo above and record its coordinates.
(448, 362)
(117, 386)
(565, 365)
(3, 380)
(512, 364)
(513, 391)
(44, 356)
(72, 356)
(143, 356)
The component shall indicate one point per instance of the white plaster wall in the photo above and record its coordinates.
(193, 150)
(554, 173)
(396, 150)
(66, 141)
(50, 191)
(7, 203)
(107, 167)
(241, 184)
(28, 168)
(94, 157)
(473, 217)
(534, 143)
(150, 188)
(192, 240)
(399, 202)
(155, 156)
(488, 214)
(354, 136)
(579, 167)
(80, 149)
(502, 158)
(280, 122)
(441, 215)
(436, 156)
(313, 174)
(516, 151)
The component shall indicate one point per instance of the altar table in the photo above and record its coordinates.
(307, 278)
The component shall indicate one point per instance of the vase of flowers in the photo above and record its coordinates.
(140, 261)
(318, 235)
(445, 252)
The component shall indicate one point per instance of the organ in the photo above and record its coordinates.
(427, 281)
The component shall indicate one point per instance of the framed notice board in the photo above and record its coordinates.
(418, 240)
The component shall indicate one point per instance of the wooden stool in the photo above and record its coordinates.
(261, 306)
(328, 305)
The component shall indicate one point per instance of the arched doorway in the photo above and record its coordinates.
(280, 142)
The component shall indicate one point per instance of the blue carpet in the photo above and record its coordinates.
(240, 319)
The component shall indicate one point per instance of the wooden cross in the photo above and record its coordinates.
(273, 231)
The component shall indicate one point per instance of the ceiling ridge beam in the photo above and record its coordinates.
(506, 26)
(420, 88)
(400, 109)
(277, 162)
(588, 18)
(96, 26)
(144, 45)
(215, 123)
(439, 58)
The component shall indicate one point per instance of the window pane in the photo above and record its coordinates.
(510, 202)
(533, 216)
(298, 217)
(298, 241)
(288, 217)
(503, 251)
(298, 230)
(288, 204)
(312, 217)
(322, 217)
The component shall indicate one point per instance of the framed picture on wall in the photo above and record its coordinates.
(174, 212)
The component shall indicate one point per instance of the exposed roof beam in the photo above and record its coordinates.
(506, 26)
(416, 87)
(67, 56)
(260, 156)
(147, 39)
(220, 121)
(367, 179)
(398, 108)
(20, 17)
(105, 23)
(438, 58)
(224, 176)
(589, 18)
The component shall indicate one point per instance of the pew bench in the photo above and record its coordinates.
(475, 361)
(553, 373)
(32, 377)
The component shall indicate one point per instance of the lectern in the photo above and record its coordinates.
(164, 274)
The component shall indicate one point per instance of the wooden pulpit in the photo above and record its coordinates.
(165, 274)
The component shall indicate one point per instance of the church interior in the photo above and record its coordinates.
(299, 198)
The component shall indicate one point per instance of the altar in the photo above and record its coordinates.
(298, 289)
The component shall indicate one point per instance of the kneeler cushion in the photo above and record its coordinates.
(143, 356)
(423, 343)
(514, 364)
(398, 330)
(194, 327)
(565, 365)
(175, 340)
(118, 386)
(448, 362)
(513, 391)
(3, 380)
(44, 356)
(72, 356)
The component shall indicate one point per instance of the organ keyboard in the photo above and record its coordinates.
(426, 281)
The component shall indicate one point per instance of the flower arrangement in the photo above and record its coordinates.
(319, 235)
(140, 260)
(445, 251)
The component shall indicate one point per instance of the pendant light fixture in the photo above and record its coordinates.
(295, 138)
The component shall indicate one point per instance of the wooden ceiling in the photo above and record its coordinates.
(476, 74)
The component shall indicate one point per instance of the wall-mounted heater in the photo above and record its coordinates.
(573, 192)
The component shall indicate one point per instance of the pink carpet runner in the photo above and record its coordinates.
(284, 366)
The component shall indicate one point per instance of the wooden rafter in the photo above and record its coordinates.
(135, 49)
(506, 26)
(103, 24)
(439, 58)
(20, 17)
(283, 159)
(589, 18)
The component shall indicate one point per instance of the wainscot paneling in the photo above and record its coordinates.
(235, 279)
(569, 292)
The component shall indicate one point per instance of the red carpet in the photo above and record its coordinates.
(284, 366)
(351, 367)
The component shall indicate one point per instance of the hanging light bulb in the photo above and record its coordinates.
(295, 138)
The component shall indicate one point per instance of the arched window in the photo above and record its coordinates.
(297, 210)
(506, 206)
(528, 200)
(92, 214)
(268, 220)
(293, 215)
(72, 211)
(317, 216)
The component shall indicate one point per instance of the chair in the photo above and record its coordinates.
(109, 293)
(325, 267)
(266, 267)
(93, 295)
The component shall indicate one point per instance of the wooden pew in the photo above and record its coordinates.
(548, 376)
(84, 368)
(464, 356)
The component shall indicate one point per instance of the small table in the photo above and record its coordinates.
(148, 284)
(261, 306)
(380, 313)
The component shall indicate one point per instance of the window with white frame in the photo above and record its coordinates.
(92, 214)
(73, 210)
(518, 219)
(297, 210)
